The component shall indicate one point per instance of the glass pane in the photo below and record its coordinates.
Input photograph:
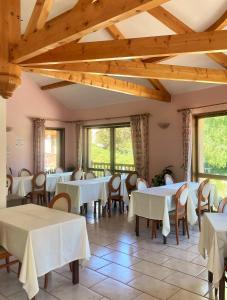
(212, 145)
(52, 149)
(99, 148)
(123, 149)
(221, 186)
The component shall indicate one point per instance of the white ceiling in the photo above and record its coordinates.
(198, 14)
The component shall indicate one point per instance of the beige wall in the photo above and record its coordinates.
(2, 152)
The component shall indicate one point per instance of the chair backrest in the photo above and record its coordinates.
(114, 184)
(181, 198)
(9, 182)
(90, 175)
(61, 202)
(130, 181)
(204, 191)
(77, 175)
(107, 172)
(59, 170)
(24, 173)
(222, 208)
(141, 184)
(168, 179)
(39, 181)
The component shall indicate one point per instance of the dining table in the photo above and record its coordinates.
(43, 239)
(155, 203)
(23, 185)
(90, 190)
(213, 245)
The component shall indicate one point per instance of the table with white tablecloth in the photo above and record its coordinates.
(90, 190)
(155, 203)
(213, 243)
(23, 185)
(43, 239)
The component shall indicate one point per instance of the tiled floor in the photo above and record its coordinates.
(125, 267)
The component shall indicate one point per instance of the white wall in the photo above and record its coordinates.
(2, 152)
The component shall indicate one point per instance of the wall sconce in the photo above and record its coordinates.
(163, 125)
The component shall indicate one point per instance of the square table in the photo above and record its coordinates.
(213, 243)
(43, 239)
(156, 202)
(89, 190)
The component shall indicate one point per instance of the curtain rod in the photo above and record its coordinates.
(183, 109)
(110, 118)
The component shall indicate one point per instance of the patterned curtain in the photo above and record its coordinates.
(187, 144)
(39, 145)
(79, 144)
(140, 143)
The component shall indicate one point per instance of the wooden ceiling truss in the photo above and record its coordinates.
(51, 48)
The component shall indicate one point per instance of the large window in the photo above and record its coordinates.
(109, 147)
(211, 154)
(54, 149)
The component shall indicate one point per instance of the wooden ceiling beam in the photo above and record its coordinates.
(117, 35)
(77, 22)
(179, 27)
(202, 42)
(143, 70)
(56, 85)
(106, 83)
(39, 16)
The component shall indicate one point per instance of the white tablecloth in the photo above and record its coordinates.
(23, 185)
(155, 203)
(43, 239)
(213, 242)
(90, 190)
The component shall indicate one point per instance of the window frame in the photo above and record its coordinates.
(112, 127)
(196, 173)
(62, 144)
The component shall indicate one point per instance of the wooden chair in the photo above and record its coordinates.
(180, 212)
(24, 173)
(130, 182)
(168, 179)
(77, 175)
(61, 202)
(90, 175)
(222, 208)
(59, 170)
(114, 187)
(38, 189)
(203, 200)
(5, 255)
(13, 199)
(141, 184)
(107, 172)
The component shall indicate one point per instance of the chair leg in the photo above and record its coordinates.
(99, 207)
(7, 263)
(177, 231)
(46, 281)
(109, 207)
(148, 223)
(199, 221)
(187, 229)
(154, 229)
(183, 226)
(95, 202)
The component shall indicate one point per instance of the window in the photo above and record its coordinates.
(54, 149)
(109, 147)
(211, 150)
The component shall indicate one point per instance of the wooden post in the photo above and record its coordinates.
(9, 35)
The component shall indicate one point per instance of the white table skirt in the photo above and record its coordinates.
(23, 185)
(43, 239)
(90, 190)
(155, 203)
(213, 243)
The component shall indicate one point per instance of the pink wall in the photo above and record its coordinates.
(28, 102)
(165, 144)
